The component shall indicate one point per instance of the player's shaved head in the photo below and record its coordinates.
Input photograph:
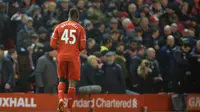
(74, 14)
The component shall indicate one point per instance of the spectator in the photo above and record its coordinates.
(195, 11)
(89, 28)
(27, 6)
(156, 8)
(63, 10)
(181, 67)
(144, 77)
(176, 34)
(125, 23)
(195, 63)
(144, 24)
(120, 59)
(50, 15)
(189, 34)
(166, 61)
(139, 33)
(113, 25)
(184, 11)
(24, 35)
(154, 21)
(153, 41)
(30, 48)
(46, 73)
(135, 62)
(155, 75)
(43, 35)
(113, 76)
(14, 7)
(92, 46)
(107, 44)
(132, 48)
(164, 4)
(144, 11)
(82, 10)
(37, 17)
(167, 32)
(139, 3)
(25, 61)
(8, 71)
(38, 46)
(91, 75)
(94, 12)
(129, 32)
(116, 39)
(4, 23)
(170, 16)
(132, 9)
(97, 33)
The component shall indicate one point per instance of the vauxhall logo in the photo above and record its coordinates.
(17, 102)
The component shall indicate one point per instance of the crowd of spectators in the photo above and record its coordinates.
(133, 46)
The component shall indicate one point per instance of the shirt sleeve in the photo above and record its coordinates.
(54, 38)
(82, 44)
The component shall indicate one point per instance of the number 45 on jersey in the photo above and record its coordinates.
(67, 34)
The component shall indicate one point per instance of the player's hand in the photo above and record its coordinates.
(7, 86)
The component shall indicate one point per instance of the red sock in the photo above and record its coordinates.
(71, 96)
(61, 90)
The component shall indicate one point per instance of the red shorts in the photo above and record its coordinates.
(69, 69)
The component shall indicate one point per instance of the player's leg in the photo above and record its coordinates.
(71, 93)
(73, 76)
(62, 84)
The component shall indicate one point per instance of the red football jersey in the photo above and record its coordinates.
(68, 39)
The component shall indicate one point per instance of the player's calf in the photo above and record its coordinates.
(61, 88)
(71, 93)
(61, 91)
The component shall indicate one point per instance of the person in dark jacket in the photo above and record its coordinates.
(156, 77)
(50, 15)
(153, 40)
(130, 51)
(114, 82)
(135, 62)
(91, 77)
(181, 67)
(37, 17)
(4, 23)
(120, 59)
(166, 61)
(195, 62)
(176, 34)
(169, 17)
(63, 10)
(82, 10)
(24, 36)
(46, 73)
(92, 46)
(8, 71)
